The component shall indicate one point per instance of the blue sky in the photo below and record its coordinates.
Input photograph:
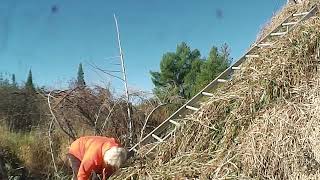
(52, 44)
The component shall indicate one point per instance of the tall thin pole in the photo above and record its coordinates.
(125, 82)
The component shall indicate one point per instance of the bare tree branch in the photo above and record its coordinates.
(110, 113)
(106, 72)
(114, 57)
(51, 145)
(148, 117)
(97, 115)
(56, 120)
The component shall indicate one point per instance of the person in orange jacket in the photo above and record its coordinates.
(95, 154)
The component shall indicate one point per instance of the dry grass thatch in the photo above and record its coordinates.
(264, 124)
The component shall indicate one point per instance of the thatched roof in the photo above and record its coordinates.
(264, 124)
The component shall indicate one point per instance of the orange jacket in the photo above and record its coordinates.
(89, 150)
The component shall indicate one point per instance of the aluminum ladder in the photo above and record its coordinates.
(171, 124)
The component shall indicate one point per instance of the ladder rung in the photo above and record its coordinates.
(152, 148)
(192, 108)
(159, 143)
(207, 94)
(264, 44)
(300, 14)
(252, 56)
(235, 68)
(278, 33)
(157, 138)
(169, 134)
(289, 23)
(174, 122)
(222, 80)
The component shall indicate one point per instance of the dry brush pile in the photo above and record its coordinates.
(264, 124)
(96, 111)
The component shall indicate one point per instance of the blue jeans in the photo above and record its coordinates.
(75, 165)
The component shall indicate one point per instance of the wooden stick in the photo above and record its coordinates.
(125, 82)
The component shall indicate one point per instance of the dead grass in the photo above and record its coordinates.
(32, 151)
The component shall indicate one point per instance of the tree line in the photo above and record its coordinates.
(23, 106)
(181, 75)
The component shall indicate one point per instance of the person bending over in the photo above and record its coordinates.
(90, 155)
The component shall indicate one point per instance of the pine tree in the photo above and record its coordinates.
(80, 78)
(29, 84)
(1, 79)
(13, 79)
(174, 70)
(216, 63)
(184, 72)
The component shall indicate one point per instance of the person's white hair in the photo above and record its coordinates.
(115, 156)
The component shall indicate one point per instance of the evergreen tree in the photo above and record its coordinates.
(191, 78)
(174, 68)
(13, 79)
(216, 63)
(1, 80)
(29, 84)
(184, 73)
(80, 77)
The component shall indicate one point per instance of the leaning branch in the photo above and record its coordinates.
(148, 117)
